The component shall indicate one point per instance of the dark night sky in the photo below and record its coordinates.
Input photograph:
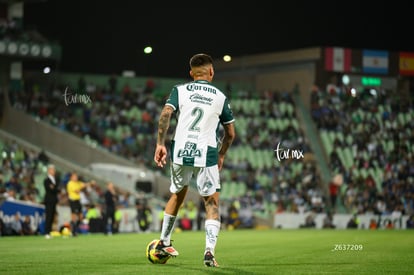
(109, 37)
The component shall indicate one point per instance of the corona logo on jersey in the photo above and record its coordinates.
(195, 87)
(190, 150)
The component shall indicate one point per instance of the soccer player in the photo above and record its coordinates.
(196, 149)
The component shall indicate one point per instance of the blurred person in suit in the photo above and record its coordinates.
(51, 198)
(111, 200)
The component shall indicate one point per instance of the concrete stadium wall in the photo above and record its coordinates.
(294, 220)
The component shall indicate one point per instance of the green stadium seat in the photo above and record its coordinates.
(118, 133)
(348, 157)
(236, 104)
(109, 133)
(408, 117)
(328, 145)
(294, 122)
(380, 108)
(286, 122)
(241, 189)
(282, 107)
(332, 136)
(271, 124)
(255, 106)
(340, 137)
(390, 145)
(290, 109)
(401, 119)
(224, 192)
(363, 172)
(349, 139)
(341, 155)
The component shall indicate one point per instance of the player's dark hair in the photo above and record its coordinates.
(200, 59)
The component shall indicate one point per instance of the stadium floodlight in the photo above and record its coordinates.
(227, 58)
(148, 50)
(46, 70)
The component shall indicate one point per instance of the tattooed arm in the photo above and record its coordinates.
(160, 156)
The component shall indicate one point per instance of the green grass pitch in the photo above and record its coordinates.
(274, 251)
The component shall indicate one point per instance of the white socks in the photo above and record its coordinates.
(212, 228)
(167, 228)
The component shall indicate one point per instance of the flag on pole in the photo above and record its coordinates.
(337, 59)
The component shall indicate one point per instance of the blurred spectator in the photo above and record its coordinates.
(14, 184)
(396, 215)
(184, 222)
(373, 224)
(353, 222)
(233, 220)
(246, 214)
(328, 221)
(111, 199)
(15, 226)
(96, 223)
(11, 195)
(126, 199)
(27, 228)
(118, 218)
(389, 224)
(410, 222)
(309, 221)
(191, 212)
(42, 157)
(144, 215)
(334, 186)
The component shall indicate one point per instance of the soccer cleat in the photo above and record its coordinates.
(168, 249)
(209, 260)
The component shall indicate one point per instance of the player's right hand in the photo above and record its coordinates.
(160, 156)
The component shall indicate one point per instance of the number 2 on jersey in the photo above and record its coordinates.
(198, 113)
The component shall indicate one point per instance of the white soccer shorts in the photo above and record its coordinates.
(207, 178)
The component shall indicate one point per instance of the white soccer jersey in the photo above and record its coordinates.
(200, 107)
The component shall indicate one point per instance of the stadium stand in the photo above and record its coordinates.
(369, 140)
